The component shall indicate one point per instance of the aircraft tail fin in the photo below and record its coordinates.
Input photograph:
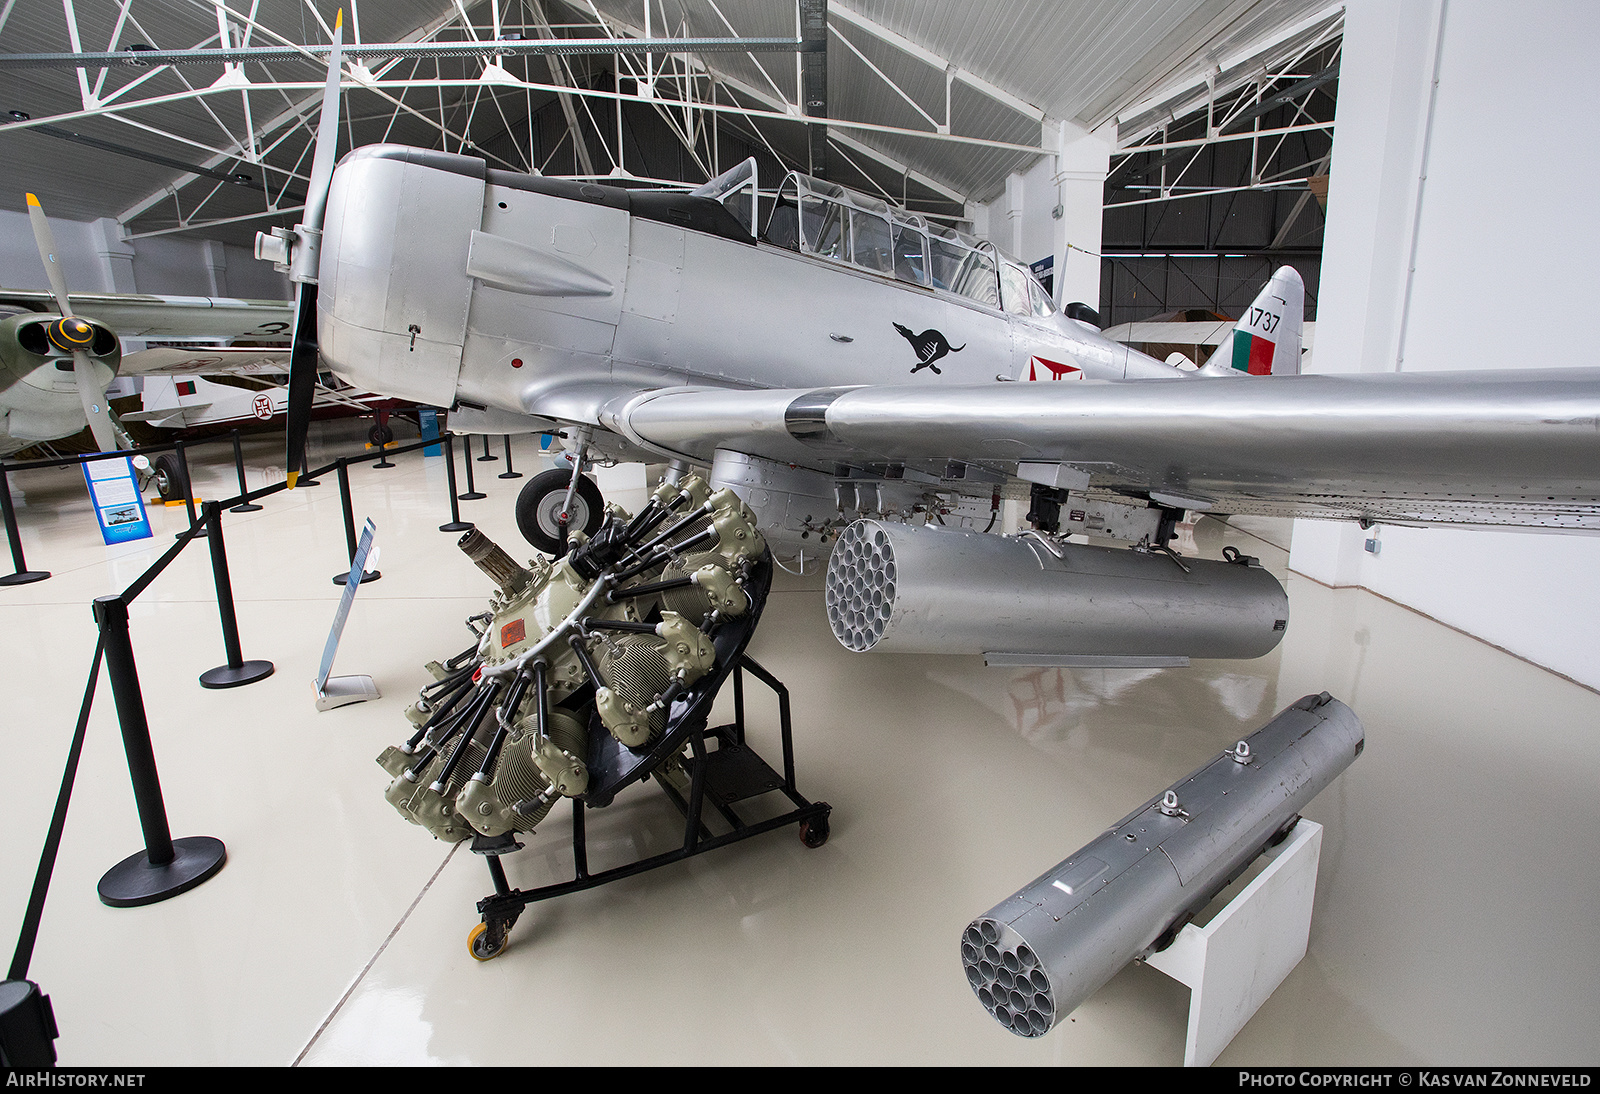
(1266, 339)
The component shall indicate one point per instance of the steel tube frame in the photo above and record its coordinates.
(507, 904)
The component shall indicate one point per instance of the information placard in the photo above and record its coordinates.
(114, 490)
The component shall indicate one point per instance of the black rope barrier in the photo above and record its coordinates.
(27, 1021)
(165, 867)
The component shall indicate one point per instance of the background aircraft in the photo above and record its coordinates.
(59, 352)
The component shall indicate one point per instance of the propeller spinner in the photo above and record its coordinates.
(73, 335)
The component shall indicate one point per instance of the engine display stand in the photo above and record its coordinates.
(724, 776)
(1236, 961)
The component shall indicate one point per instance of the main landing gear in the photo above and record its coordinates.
(542, 500)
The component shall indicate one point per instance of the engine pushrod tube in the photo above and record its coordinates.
(626, 625)
(466, 738)
(582, 652)
(440, 712)
(679, 526)
(491, 756)
(652, 587)
(436, 746)
(541, 700)
(664, 556)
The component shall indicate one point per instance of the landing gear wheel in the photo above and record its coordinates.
(814, 832)
(170, 480)
(380, 435)
(539, 508)
(487, 940)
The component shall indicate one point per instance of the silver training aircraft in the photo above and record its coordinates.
(832, 358)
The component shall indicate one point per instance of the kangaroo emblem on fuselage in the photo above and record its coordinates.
(930, 345)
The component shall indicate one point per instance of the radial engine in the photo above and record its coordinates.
(583, 667)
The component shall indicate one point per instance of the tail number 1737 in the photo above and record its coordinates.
(1264, 321)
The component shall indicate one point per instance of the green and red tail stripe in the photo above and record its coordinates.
(1252, 353)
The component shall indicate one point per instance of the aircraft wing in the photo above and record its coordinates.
(1510, 448)
(206, 361)
(169, 318)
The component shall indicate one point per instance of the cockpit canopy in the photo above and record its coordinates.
(817, 217)
(823, 218)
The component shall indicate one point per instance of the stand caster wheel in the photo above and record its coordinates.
(814, 832)
(487, 941)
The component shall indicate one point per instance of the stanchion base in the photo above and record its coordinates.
(457, 526)
(366, 576)
(383, 463)
(233, 676)
(133, 882)
(509, 475)
(472, 496)
(24, 577)
(303, 483)
(247, 507)
(488, 459)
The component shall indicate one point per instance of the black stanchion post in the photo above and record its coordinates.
(381, 432)
(510, 472)
(305, 479)
(350, 530)
(473, 493)
(245, 504)
(166, 867)
(456, 523)
(486, 458)
(23, 575)
(237, 671)
(188, 483)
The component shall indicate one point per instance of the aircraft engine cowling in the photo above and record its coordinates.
(896, 588)
(394, 288)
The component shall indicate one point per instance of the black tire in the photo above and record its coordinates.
(380, 435)
(814, 832)
(539, 505)
(170, 480)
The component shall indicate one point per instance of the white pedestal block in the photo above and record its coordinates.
(341, 691)
(1236, 961)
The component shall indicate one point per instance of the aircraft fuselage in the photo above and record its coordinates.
(449, 284)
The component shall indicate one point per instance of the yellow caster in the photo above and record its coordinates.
(486, 942)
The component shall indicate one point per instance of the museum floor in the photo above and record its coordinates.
(1456, 898)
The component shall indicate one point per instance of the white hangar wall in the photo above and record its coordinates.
(1022, 220)
(95, 259)
(1489, 186)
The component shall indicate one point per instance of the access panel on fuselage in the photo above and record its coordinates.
(521, 344)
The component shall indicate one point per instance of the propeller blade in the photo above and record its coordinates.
(46, 239)
(93, 395)
(302, 379)
(303, 341)
(322, 161)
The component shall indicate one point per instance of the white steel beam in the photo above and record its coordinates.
(932, 59)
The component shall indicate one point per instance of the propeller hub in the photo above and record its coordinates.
(71, 334)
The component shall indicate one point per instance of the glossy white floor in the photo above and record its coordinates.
(1455, 902)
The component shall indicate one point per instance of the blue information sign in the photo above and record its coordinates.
(428, 422)
(117, 505)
